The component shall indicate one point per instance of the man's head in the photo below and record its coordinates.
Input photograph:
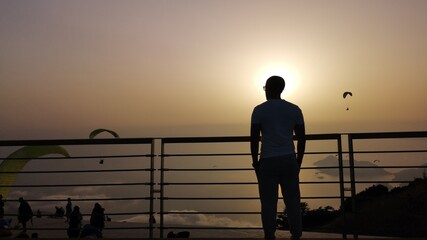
(274, 86)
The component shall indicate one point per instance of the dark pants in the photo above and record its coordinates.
(280, 171)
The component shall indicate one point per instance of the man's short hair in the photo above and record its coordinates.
(275, 84)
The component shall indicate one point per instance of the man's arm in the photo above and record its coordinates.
(255, 135)
(300, 136)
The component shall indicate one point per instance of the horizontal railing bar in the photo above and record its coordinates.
(391, 181)
(192, 213)
(217, 228)
(197, 169)
(240, 183)
(124, 213)
(83, 199)
(225, 154)
(391, 151)
(331, 136)
(77, 185)
(403, 166)
(204, 169)
(89, 214)
(83, 157)
(206, 139)
(207, 198)
(388, 135)
(203, 154)
(237, 198)
(105, 228)
(84, 171)
(303, 168)
(207, 183)
(124, 228)
(307, 153)
(171, 227)
(76, 141)
(253, 183)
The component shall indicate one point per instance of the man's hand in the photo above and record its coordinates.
(255, 136)
(300, 136)
(255, 165)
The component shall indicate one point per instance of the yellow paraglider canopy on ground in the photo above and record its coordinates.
(16, 161)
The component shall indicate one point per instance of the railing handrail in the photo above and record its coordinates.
(368, 135)
(326, 136)
(98, 141)
(382, 135)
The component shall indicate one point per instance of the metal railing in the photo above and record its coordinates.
(175, 156)
(95, 174)
(206, 140)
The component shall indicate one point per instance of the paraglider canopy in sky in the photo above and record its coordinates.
(344, 95)
(95, 132)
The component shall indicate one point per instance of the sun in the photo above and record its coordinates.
(290, 75)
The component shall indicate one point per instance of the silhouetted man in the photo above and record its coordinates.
(25, 213)
(97, 218)
(277, 120)
(75, 222)
(68, 209)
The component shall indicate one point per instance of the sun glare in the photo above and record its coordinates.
(290, 76)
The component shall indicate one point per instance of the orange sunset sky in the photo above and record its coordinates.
(196, 68)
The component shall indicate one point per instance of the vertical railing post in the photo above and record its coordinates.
(162, 165)
(342, 190)
(353, 185)
(151, 189)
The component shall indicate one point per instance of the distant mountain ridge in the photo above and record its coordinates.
(374, 171)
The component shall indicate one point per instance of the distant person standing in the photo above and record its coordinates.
(277, 120)
(74, 223)
(97, 218)
(1, 206)
(25, 213)
(68, 209)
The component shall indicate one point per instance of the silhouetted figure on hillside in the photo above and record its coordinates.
(97, 218)
(68, 209)
(1, 206)
(25, 213)
(277, 120)
(74, 223)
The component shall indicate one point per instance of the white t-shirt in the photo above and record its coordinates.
(277, 118)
